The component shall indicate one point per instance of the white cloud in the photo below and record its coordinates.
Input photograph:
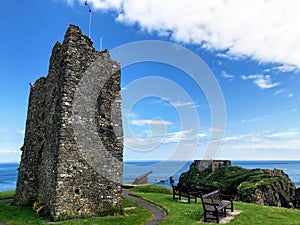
(70, 2)
(176, 103)
(150, 122)
(6, 131)
(266, 145)
(278, 92)
(283, 92)
(202, 135)
(159, 140)
(226, 56)
(286, 68)
(283, 134)
(101, 4)
(239, 138)
(232, 138)
(182, 104)
(215, 129)
(252, 120)
(282, 145)
(179, 136)
(288, 149)
(9, 155)
(265, 137)
(263, 30)
(262, 81)
(226, 75)
(20, 131)
(132, 115)
(5, 150)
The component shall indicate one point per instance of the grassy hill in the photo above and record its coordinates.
(178, 213)
(263, 186)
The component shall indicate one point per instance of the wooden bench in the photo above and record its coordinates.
(212, 203)
(184, 192)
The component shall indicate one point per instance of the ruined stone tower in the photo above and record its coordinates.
(72, 157)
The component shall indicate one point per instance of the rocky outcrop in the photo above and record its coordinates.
(261, 186)
(297, 198)
(72, 157)
(272, 187)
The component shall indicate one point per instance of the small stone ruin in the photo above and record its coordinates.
(211, 165)
(72, 157)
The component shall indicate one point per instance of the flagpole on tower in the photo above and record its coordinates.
(90, 19)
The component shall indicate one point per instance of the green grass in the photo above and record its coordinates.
(184, 213)
(18, 215)
(13, 215)
(152, 189)
(178, 213)
(135, 216)
(7, 194)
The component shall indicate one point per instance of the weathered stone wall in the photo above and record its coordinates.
(211, 165)
(28, 179)
(73, 148)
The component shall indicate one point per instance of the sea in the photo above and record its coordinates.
(159, 172)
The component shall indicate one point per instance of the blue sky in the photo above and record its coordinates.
(252, 49)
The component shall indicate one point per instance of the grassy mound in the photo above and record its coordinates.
(178, 213)
(269, 187)
(152, 189)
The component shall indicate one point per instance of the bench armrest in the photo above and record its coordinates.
(227, 197)
(215, 205)
(193, 193)
(208, 203)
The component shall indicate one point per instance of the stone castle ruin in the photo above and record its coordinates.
(72, 157)
(211, 165)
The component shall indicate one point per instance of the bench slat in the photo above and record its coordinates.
(213, 203)
(184, 192)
